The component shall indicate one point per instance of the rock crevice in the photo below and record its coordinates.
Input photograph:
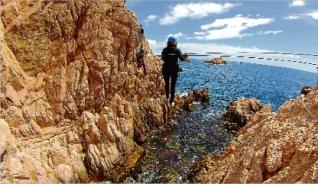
(72, 99)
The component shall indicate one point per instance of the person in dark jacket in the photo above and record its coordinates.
(170, 55)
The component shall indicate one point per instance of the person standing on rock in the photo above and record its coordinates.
(170, 55)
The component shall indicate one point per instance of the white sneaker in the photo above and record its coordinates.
(173, 104)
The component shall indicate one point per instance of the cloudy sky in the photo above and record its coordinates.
(225, 25)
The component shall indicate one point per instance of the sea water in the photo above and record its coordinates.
(231, 81)
(170, 156)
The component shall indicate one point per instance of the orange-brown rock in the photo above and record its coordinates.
(306, 90)
(239, 112)
(186, 102)
(217, 61)
(277, 147)
(71, 97)
(182, 102)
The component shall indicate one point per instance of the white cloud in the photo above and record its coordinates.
(150, 18)
(194, 11)
(176, 35)
(297, 3)
(199, 33)
(152, 43)
(208, 47)
(313, 15)
(202, 48)
(292, 17)
(274, 32)
(230, 27)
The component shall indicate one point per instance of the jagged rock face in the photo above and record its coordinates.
(239, 112)
(277, 147)
(72, 99)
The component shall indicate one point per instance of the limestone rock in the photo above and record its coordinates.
(272, 147)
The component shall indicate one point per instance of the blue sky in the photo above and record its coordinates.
(229, 26)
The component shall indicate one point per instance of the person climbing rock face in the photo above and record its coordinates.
(141, 60)
(170, 55)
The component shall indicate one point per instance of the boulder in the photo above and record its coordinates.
(186, 102)
(306, 90)
(217, 61)
(239, 112)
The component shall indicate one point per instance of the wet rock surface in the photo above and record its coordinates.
(276, 147)
(186, 101)
(172, 152)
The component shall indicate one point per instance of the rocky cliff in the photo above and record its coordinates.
(73, 103)
(277, 147)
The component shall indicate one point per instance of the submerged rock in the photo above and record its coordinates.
(168, 175)
(273, 147)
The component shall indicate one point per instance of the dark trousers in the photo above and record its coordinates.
(167, 75)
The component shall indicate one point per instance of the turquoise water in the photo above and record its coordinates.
(171, 155)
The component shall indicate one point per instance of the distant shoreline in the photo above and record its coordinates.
(279, 64)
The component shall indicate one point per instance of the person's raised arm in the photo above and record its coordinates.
(182, 57)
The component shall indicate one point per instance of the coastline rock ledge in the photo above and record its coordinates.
(280, 147)
(72, 100)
